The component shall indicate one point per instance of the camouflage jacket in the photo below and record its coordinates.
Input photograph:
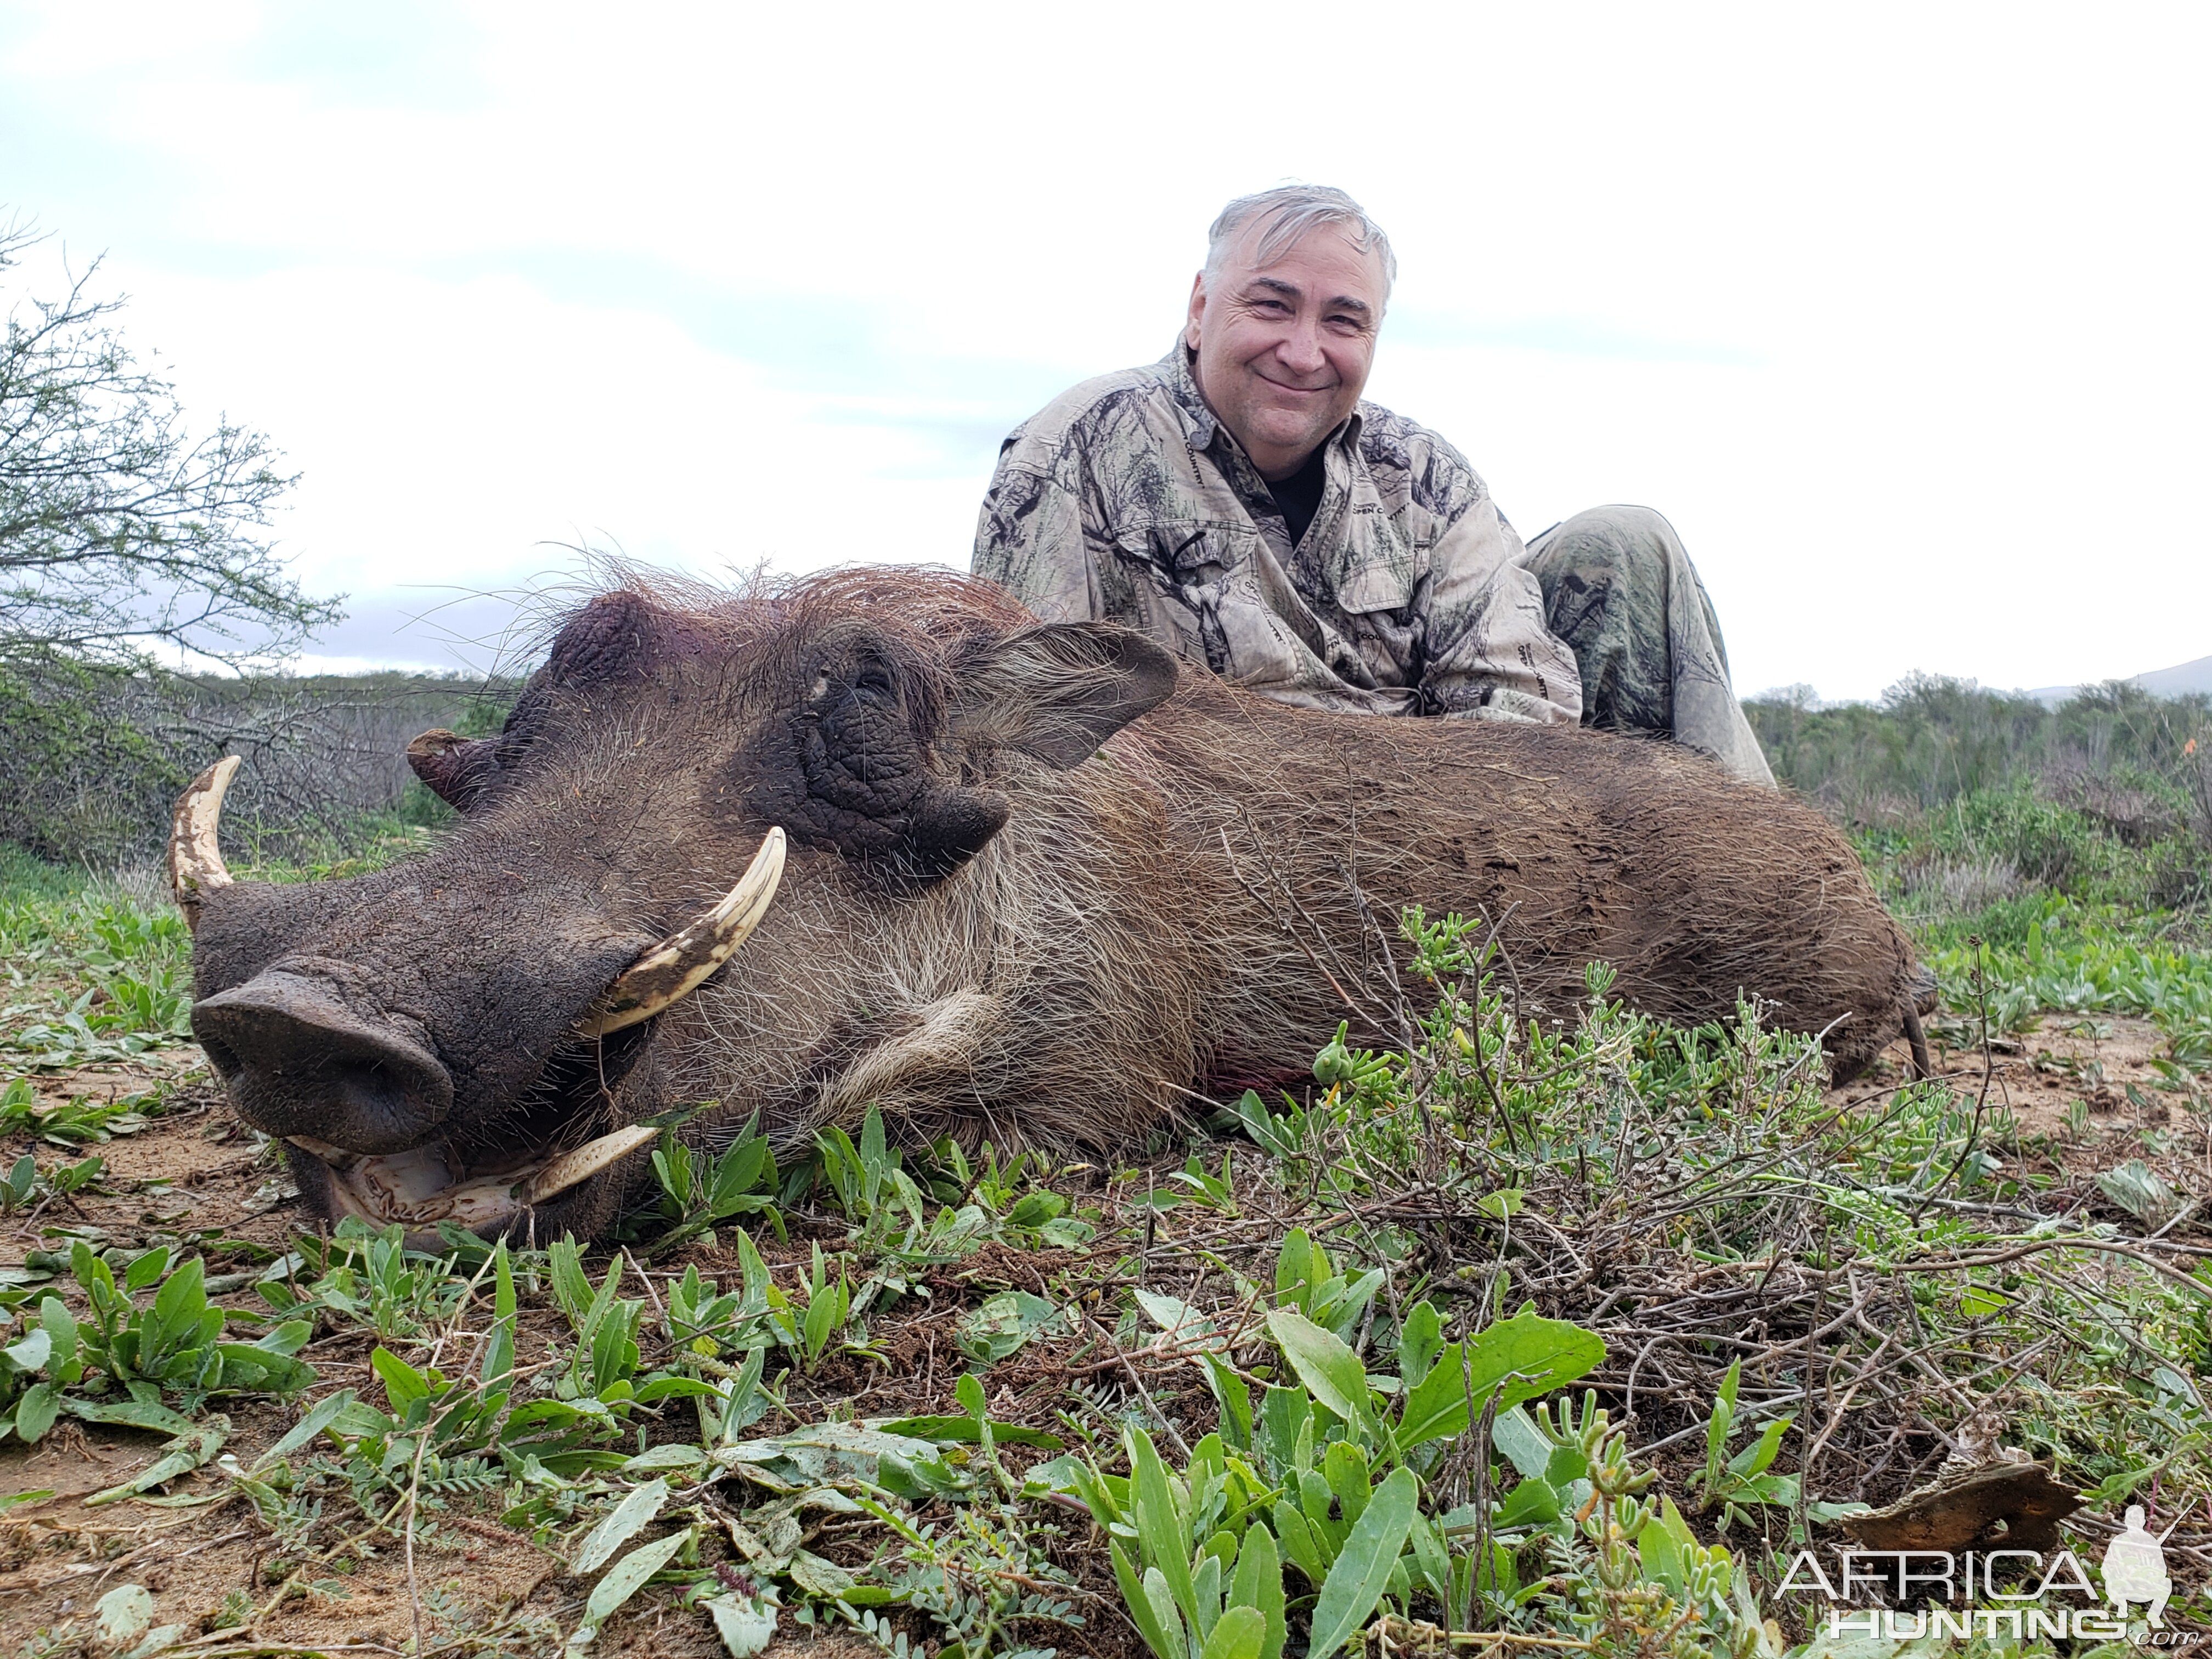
(1125, 501)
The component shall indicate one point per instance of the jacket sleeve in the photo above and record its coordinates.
(1029, 539)
(1490, 655)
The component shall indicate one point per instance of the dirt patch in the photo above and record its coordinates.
(2080, 1096)
(194, 1173)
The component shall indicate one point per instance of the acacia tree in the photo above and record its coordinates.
(119, 527)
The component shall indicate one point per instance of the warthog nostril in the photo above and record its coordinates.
(297, 1061)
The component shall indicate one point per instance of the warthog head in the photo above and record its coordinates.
(472, 1035)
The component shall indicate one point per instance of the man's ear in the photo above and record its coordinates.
(1059, 690)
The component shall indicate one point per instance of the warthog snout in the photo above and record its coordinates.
(298, 1062)
(482, 1107)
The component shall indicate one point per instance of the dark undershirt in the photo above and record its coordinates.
(1300, 494)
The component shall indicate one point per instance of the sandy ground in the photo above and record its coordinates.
(2102, 1063)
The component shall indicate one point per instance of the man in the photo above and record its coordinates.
(1239, 501)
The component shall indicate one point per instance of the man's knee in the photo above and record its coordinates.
(1622, 543)
(1610, 570)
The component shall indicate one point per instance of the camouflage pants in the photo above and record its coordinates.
(1619, 589)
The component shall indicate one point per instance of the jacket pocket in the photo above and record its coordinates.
(1375, 587)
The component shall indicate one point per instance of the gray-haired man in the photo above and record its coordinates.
(1239, 501)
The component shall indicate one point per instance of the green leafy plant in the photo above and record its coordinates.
(115, 1018)
(818, 1318)
(706, 1321)
(595, 1392)
(1004, 1324)
(1195, 1587)
(1306, 1279)
(119, 1362)
(366, 1275)
(1646, 1585)
(35, 1368)
(1007, 1199)
(701, 1191)
(870, 1185)
(1441, 1387)
(74, 1122)
(1324, 1476)
(1738, 1484)
(988, 1572)
(175, 1345)
(1216, 1192)
(25, 1183)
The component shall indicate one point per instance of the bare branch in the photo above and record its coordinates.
(120, 526)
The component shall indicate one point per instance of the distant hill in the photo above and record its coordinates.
(2178, 682)
(2175, 682)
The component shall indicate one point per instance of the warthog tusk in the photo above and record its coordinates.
(586, 1161)
(337, 1157)
(680, 963)
(418, 1187)
(196, 866)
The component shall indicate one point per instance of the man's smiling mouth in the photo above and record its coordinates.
(1299, 391)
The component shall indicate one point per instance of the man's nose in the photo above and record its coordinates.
(1300, 349)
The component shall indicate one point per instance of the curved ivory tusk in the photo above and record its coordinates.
(586, 1161)
(196, 866)
(337, 1157)
(680, 963)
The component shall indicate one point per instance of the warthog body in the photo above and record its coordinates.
(1039, 890)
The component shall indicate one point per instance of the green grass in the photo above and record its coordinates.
(90, 970)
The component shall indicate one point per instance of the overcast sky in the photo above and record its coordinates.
(1898, 312)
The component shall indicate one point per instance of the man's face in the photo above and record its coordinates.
(1283, 348)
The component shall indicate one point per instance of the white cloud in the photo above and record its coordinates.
(1896, 312)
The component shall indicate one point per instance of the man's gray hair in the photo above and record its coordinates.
(1286, 213)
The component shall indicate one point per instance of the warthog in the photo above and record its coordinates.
(1009, 881)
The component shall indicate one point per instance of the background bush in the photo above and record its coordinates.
(96, 754)
(1931, 739)
(1976, 810)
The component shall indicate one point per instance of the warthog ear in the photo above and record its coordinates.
(1059, 690)
(614, 640)
(458, 769)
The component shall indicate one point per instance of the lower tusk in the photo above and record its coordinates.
(681, 963)
(586, 1161)
(195, 866)
(337, 1157)
(417, 1188)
